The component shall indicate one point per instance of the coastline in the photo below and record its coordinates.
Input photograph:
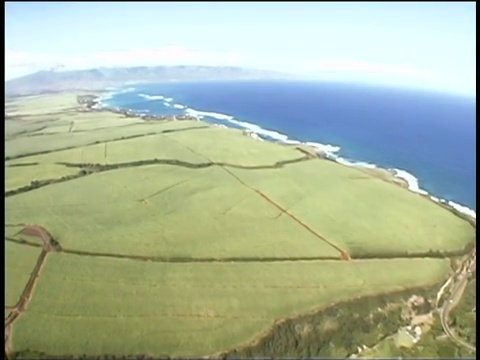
(341, 309)
(398, 177)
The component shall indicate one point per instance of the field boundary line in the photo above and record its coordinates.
(23, 242)
(343, 254)
(44, 152)
(197, 260)
(87, 169)
(161, 315)
(170, 259)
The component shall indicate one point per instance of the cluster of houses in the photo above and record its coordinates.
(415, 333)
(91, 103)
(89, 100)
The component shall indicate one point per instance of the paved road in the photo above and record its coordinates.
(451, 302)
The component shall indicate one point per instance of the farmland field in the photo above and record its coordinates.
(20, 261)
(21, 174)
(173, 302)
(403, 224)
(185, 239)
(24, 145)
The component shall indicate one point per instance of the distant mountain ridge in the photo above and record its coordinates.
(93, 79)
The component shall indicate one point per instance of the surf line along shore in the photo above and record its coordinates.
(95, 102)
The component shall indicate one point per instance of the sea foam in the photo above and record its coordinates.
(362, 164)
(273, 135)
(413, 185)
(463, 209)
(152, 97)
(201, 114)
(112, 91)
(411, 181)
(107, 96)
(127, 90)
(327, 148)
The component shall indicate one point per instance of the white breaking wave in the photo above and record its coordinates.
(168, 99)
(260, 131)
(127, 90)
(411, 181)
(167, 104)
(107, 96)
(179, 106)
(152, 97)
(413, 185)
(293, 142)
(114, 91)
(201, 114)
(332, 156)
(363, 164)
(324, 147)
(102, 100)
(463, 209)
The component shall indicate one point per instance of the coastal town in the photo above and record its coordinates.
(92, 104)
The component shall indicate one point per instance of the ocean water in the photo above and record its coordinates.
(429, 138)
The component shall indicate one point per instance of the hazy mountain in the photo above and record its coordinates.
(51, 81)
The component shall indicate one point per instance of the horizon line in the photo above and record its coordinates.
(287, 76)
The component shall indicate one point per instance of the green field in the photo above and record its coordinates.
(351, 210)
(18, 176)
(20, 261)
(22, 145)
(205, 213)
(191, 309)
(39, 106)
(238, 233)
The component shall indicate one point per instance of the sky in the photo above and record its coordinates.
(429, 45)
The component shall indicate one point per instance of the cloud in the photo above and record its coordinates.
(19, 59)
(18, 63)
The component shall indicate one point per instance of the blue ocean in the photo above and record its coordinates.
(430, 138)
